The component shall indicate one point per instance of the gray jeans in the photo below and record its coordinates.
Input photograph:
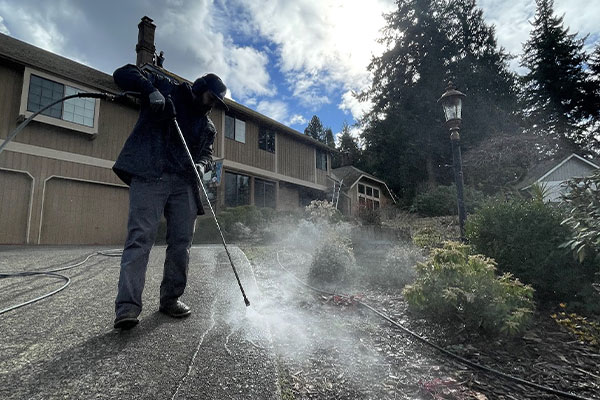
(148, 200)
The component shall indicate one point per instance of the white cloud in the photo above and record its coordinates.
(3, 28)
(298, 119)
(276, 109)
(321, 45)
(351, 104)
(196, 34)
(35, 26)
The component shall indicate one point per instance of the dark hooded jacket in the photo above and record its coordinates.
(154, 146)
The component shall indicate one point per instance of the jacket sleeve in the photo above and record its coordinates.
(131, 78)
(205, 156)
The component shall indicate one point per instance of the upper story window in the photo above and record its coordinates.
(266, 139)
(321, 160)
(41, 89)
(235, 129)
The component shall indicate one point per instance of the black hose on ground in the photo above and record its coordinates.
(52, 273)
(435, 346)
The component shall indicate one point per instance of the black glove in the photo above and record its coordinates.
(157, 101)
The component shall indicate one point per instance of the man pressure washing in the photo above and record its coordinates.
(157, 169)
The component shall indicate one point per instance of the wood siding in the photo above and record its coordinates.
(114, 126)
(15, 198)
(248, 153)
(42, 169)
(295, 158)
(78, 212)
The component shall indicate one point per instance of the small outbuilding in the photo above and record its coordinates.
(359, 191)
(553, 174)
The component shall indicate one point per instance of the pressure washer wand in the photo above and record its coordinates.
(199, 179)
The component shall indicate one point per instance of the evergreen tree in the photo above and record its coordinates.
(315, 129)
(429, 43)
(348, 150)
(555, 84)
(329, 140)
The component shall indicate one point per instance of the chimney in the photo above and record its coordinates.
(145, 46)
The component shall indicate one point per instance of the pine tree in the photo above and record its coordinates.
(348, 149)
(555, 84)
(429, 43)
(315, 129)
(329, 140)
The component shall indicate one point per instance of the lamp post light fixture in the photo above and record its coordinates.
(452, 103)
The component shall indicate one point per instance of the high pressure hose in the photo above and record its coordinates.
(435, 346)
(53, 274)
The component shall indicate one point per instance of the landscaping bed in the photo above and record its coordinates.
(330, 347)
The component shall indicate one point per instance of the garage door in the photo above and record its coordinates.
(78, 212)
(15, 197)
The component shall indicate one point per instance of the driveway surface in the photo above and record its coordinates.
(65, 347)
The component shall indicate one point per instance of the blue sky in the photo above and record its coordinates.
(288, 59)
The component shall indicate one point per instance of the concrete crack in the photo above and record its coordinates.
(191, 364)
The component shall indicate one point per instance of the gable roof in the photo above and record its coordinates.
(547, 167)
(29, 55)
(23, 53)
(350, 176)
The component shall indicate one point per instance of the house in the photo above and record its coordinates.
(56, 178)
(553, 174)
(360, 191)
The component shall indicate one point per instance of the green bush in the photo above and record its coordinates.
(455, 286)
(524, 238)
(333, 263)
(322, 211)
(441, 200)
(397, 269)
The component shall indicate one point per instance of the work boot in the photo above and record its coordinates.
(176, 310)
(126, 321)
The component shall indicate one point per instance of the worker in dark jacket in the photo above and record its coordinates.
(161, 180)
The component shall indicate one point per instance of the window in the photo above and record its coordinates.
(235, 129)
(41, 89)
(264, 193)
(322, 160)
(237, 190)
(368, 197)
(266, 139)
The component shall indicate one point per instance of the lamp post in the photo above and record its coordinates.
(452, 103)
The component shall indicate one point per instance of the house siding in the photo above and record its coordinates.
(572, 168)
(57, 183)
(295, 159)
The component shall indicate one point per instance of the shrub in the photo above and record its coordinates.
(333, 262)
(369, 217)
(454, 285)
(398, 268)
(524, 238)
(427, 238)
(583, 201)
(322, 211)
(441, 200)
